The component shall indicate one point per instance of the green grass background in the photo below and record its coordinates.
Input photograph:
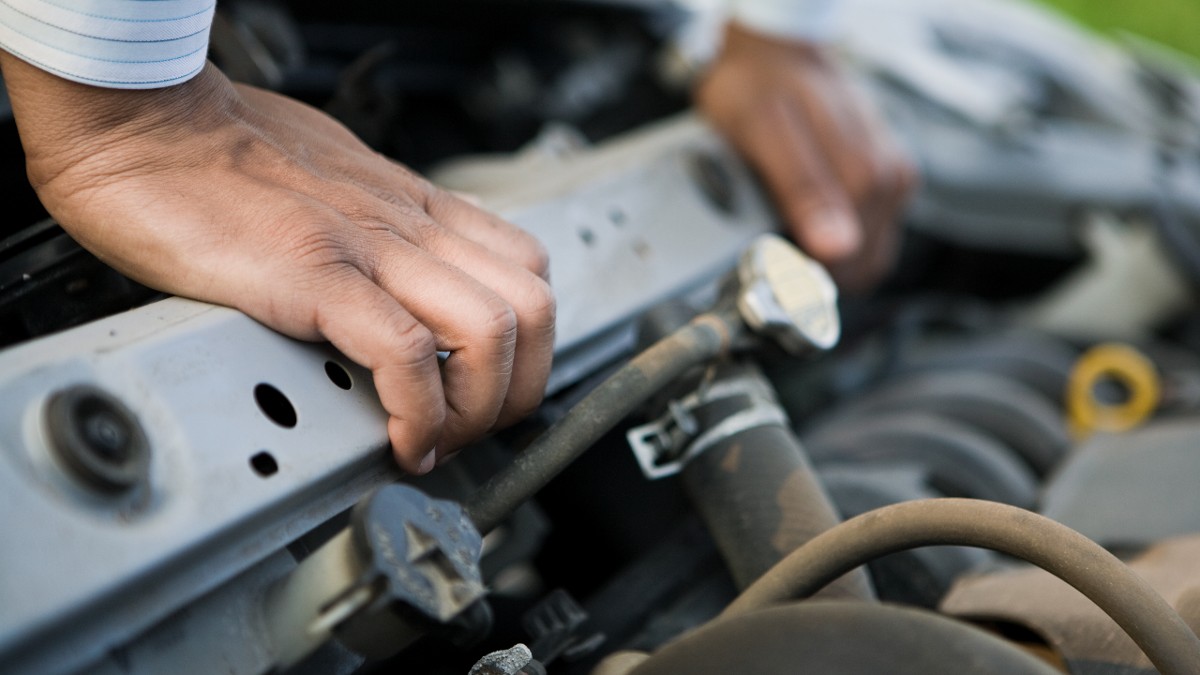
(1174, 23)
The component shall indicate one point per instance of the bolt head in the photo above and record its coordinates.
(97, 439)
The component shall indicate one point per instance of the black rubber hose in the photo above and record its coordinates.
(702, 339)
(1119, 591)
(959, 460)
(755, 489)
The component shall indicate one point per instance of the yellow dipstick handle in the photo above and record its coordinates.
(1125, 365)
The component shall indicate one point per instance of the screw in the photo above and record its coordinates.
(97, 439)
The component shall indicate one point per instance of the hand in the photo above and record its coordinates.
(241, 197)
(838, 179)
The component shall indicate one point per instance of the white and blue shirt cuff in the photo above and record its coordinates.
(121, 44)
(807, 20)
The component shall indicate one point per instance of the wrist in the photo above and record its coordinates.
(743, 40)
(61, 122)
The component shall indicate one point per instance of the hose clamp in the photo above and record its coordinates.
(665, 446)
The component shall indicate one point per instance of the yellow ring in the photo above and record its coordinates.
(1124, 364)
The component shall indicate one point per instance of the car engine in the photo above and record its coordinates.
(987, 465)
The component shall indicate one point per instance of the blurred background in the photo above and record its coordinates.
(1173, 23)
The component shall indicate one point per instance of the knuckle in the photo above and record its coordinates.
(536, 303)
(419, 230)
(404, 204)
(497, 321)
(412, 435)
(413, 343)
(539, 260)
(425, 194)
(435, 198)
(536, 258)
(423, 427)
(314, 263)
(303, 239)
(869, 179)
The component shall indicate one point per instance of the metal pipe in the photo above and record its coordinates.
(702, 339)
(1135, 606)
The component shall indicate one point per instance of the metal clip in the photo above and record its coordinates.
(663, 447)
(654, 443)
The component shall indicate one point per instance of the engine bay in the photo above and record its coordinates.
(736, 468)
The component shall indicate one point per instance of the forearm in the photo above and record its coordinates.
(60, 121)
(74, 64)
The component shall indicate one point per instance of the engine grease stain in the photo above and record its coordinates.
(732, 459)
(796, 524)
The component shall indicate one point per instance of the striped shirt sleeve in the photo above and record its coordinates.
(121, 44)
(809, 20)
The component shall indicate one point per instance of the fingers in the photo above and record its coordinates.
(816, 207)
(828, 161)
(867, 159)
(490, 232)
(533, 305)
(472, 322)
(499, 256)
(494, 315)
(374, 330)
(517, 278)
(875, 170)
(881, 244)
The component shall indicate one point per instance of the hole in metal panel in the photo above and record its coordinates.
(338, 375)
(275, 405)
(264, 464)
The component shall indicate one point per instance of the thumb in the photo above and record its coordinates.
(815, 206)
(830, 232)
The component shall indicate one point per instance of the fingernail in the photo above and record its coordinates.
(427, 463)
(837, 234)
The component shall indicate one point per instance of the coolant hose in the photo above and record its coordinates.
(1135, 606)
(753, 486)
(702, 339)
(822, 637)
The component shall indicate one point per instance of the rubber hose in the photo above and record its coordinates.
(702, 339)
(1122, 594)
(756, 491)
(840, 638)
